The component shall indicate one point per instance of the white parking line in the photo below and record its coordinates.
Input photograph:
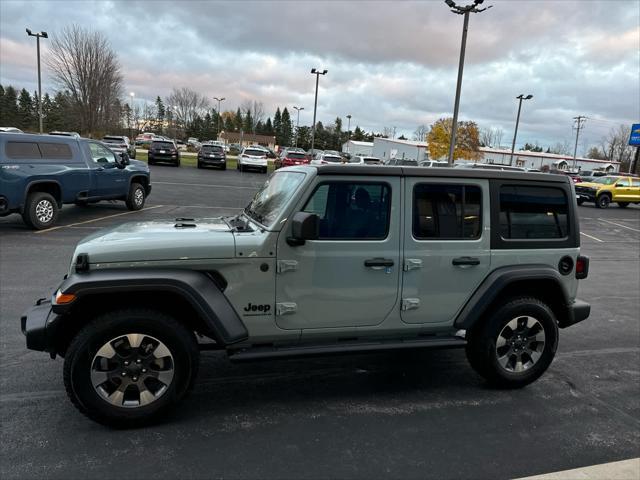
(97, 219)
(592, 237)
(204, 185)
(619, 225)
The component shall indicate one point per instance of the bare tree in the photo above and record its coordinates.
(491, 137)
(84, 64)
(420, 133)
(616, 146)
(256, 109)
(186, 104)
(561, 148)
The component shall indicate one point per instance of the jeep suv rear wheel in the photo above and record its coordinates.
(515, 344)
(126, 368)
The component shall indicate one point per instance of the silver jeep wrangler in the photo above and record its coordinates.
(324, 260)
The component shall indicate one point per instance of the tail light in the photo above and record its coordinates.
(582, 267)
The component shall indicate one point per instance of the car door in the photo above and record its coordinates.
(349, 276)
(108, 180)
(446, 246)
(622, 190)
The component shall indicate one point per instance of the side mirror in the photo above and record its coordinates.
(124, 160)
(304, 226)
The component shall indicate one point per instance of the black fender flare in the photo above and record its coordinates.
(221, 321)
(501, 278)
(33, 183)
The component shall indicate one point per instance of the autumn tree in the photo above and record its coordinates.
(467, 140)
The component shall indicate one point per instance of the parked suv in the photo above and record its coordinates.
(163, 151)
(324, 260)
(254, 158)
(40, 173)
(120, 144)
(604, 190)
(290, 157)
(212, 155)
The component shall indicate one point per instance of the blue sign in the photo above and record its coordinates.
(634, 139)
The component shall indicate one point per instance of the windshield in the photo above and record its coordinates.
(606, 180)
(267, 204)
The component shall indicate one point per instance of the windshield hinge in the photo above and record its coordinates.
(287, 265)
(285, 308)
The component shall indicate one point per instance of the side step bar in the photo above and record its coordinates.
(257, 353)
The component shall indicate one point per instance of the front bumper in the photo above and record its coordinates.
(586, 195)
(578, 311)
(38, 325)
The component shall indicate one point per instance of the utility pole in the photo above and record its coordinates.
(515, 133)
(461, 11)
(348, 131)
(578, 125)
(218, 116)
(317, 73)
(38, 36)
(298, 122)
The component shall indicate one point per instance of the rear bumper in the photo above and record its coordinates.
(578, 311)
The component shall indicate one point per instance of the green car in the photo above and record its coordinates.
(325, 260)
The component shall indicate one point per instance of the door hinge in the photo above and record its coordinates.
(412, 264)
(410, 303)
(285, 308)
(287, 265)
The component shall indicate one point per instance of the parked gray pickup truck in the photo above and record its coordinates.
(324, 260)
(40, 173)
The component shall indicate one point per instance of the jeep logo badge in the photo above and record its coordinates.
(257, 309)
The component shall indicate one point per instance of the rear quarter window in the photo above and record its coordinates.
(22, 150)
(532, 215)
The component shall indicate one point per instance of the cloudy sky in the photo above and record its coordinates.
(390, 63)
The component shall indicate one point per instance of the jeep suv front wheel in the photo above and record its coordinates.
(603, 200)
(128, 367)
(515, 344)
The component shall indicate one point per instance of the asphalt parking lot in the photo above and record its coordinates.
(407, 415)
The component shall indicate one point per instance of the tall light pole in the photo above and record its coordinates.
(348, 131)
(473, 8)
(317, 73)
(515, 133)
(298, 122)
(38, 36)
(218, 117)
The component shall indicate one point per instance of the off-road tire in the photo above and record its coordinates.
(40, 211)
(603, 201)
(481, 342)
(136, 197)
(79, 356)
(623, 204)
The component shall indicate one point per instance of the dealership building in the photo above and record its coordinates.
(387, 148)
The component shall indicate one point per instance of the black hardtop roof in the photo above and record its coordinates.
(400, 171)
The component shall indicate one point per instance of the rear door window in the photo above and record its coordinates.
(447, 212)
(59, 151)
(22, 150)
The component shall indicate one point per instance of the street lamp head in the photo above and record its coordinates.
(28, 32)
(528, 97)
(349, 116)
(44, 35)
(450, 3)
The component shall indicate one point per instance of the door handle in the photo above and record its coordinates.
(378, 262)
(465, 261)
(100, 169)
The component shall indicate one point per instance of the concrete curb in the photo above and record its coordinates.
(624, 470)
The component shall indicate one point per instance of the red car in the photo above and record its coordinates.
(290, 159)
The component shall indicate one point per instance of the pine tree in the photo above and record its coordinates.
(247, 122)
(277, 126)
(9, 115)
(358, 135)
(238, 120)
(161, 112)
(25, 110)
(268, 127)
(286, 129)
